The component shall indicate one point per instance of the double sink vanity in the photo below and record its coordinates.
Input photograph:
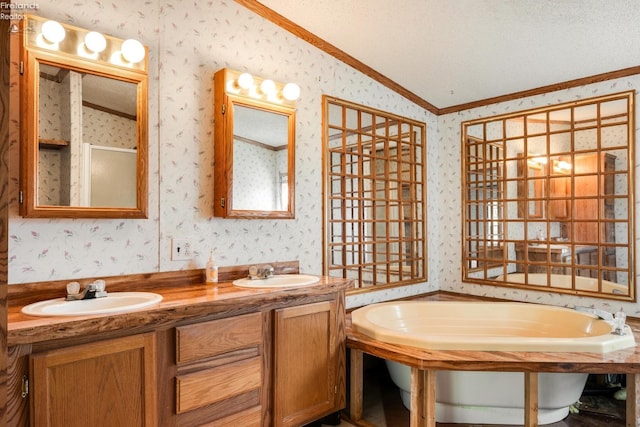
(227, 354)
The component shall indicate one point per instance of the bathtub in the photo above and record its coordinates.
(490, 397)
(563, 281)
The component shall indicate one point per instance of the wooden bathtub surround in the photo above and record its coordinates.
(206, 355)
(425, 363)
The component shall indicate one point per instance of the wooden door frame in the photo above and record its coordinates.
(4, 205)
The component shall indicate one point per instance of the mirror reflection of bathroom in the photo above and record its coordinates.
(260, 153)
(87, 153)
(548, 198)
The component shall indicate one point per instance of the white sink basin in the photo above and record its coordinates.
(114, 302)
(278, 281)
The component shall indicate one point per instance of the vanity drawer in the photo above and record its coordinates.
(213, 385)
(208, 339)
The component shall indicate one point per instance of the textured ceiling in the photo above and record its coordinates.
(452, 52)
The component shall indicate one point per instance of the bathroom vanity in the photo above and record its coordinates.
(218, 356)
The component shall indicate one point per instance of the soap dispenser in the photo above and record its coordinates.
(211, 271)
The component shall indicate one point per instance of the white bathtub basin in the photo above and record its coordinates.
(278, 281)
(565, 281)
(552, 246)
(488, 326)
(114, 302)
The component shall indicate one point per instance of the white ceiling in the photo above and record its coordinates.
(451, 52)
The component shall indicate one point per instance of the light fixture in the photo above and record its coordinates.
(132, 50)
(562, 165)
(95, 42)
(246, 85)
(291, 91)
(245, 81)
(53, 32)
(537, 161)
(268, 87)
(97, 47)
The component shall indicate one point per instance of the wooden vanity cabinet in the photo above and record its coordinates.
(280, 363)
(221, 371)
(104, 383)
(284, 367)
(309, 362)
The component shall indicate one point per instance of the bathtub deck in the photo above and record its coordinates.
(425, 363)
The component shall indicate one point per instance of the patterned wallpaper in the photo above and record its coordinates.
(106, 129)
(255, 164)
(188, 42)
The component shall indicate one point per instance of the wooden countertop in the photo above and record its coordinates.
(190, 302)
(621, 361)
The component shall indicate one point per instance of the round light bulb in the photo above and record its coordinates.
(245, 80)
(291, 91)
(268, 87)
(95, 42)
(53, 31)
(132, 51)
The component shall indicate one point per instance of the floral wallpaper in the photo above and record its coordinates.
(189, 41)
(106, 129)
(255, 164)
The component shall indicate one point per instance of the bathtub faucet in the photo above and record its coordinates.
(616, 321)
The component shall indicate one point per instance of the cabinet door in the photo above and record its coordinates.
(107, 383)
(309, 363)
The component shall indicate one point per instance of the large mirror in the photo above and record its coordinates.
(548, 198)
(84, 137)
(374, 207)
(254, 151)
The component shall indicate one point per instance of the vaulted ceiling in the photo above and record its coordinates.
(450, 53)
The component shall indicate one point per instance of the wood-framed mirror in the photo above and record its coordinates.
(254, 148)
(548, 198)
(84, 139)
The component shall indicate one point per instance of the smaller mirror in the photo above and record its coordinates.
(254, 147)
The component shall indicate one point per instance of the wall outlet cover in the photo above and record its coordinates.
(181, 250)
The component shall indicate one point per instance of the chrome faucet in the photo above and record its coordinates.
(616, 321)
(263, 272)
(93, 290)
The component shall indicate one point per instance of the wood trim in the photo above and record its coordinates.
(108, 110)
(6, 41)
(298, 31)
(293, 28)
(260, 144)
(542, 89)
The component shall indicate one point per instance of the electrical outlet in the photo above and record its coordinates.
(181, 250)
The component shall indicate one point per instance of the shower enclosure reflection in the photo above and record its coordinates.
(547, 198)
(88, 139)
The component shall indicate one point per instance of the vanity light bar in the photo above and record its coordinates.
(46, 34)
(244, 84)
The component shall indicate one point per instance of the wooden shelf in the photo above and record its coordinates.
(54, 144)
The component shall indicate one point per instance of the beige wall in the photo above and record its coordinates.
(187, 44)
